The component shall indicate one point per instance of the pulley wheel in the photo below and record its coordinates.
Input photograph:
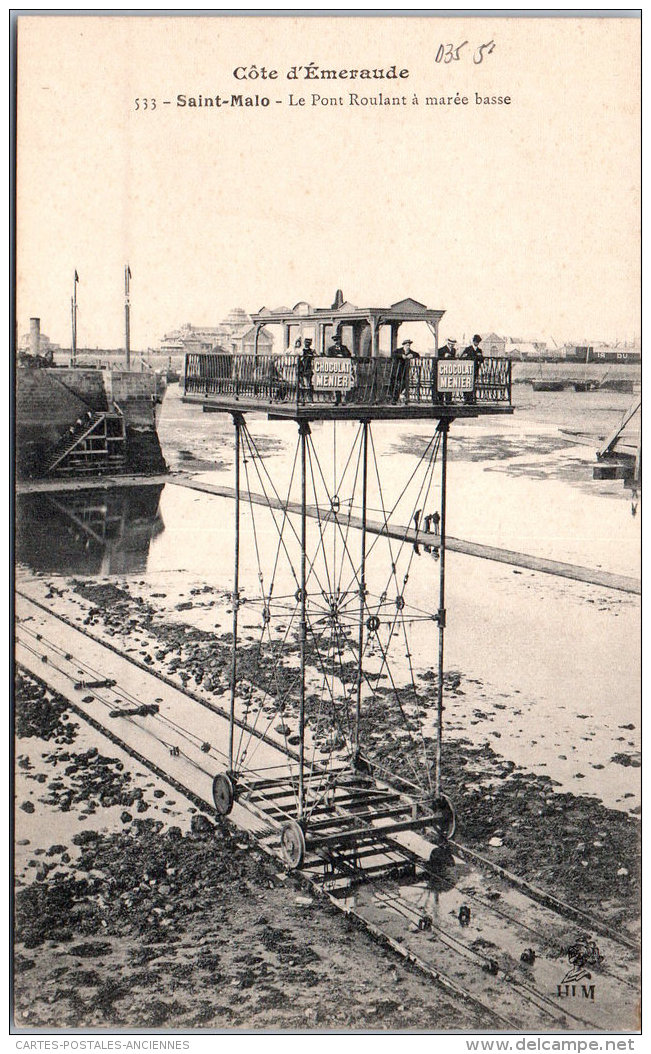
(445, 821)
(292, 844)
(223, 794)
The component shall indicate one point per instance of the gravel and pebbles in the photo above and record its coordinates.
(140, 923)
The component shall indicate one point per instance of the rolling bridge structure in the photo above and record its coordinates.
(332, 677)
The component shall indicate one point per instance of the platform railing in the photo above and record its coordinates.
(321, 381)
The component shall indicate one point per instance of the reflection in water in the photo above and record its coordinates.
(88, 532)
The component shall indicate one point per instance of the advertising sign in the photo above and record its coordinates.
(455, 375)
(336, 375)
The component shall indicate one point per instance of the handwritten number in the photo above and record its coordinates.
(448, 53)
(144, 104)
(478, 57)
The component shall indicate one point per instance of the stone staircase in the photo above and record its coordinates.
(96, 443)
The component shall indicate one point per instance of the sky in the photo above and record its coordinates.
(519, 218)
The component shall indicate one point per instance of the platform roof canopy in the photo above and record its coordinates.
(363, 323)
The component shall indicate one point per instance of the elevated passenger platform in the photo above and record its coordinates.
(332, 388)
(345, 362)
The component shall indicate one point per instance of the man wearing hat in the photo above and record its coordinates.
(474, 352)
(400, 357)
(306, 365)
(448, 351)
(337, 350)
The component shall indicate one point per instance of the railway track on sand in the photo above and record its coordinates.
(482, 934)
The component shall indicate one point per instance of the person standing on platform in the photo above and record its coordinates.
(473, 352)
(337, 350)
(307, 366)
(408, 355)
(448, 351)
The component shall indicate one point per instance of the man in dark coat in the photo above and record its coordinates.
(306, 365)
(400, 369)
(448, 351)
(474, 352)
(337, 350)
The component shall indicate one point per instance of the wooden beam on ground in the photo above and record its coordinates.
(593, 576)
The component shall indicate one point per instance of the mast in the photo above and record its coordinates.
(127, 320)
(73, 311)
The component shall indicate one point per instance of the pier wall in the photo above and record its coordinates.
(50, 401)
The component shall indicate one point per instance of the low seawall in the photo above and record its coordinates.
(50, 401)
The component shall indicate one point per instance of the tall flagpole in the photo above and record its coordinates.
(127, 321)
(73, 308)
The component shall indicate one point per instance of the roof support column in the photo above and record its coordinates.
(395, 326)
(375, 337)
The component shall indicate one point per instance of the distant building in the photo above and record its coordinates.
(493, 346)
(234, 335)
(496, 347)
(191, 339)
(46, 347)
(525, 349)
(602, 352)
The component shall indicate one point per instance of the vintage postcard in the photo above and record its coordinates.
(327, 539)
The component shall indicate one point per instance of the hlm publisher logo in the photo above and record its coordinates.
(581, 955)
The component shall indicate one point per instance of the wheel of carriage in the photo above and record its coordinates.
(292, 844)
(445, 820)
(223, 794)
